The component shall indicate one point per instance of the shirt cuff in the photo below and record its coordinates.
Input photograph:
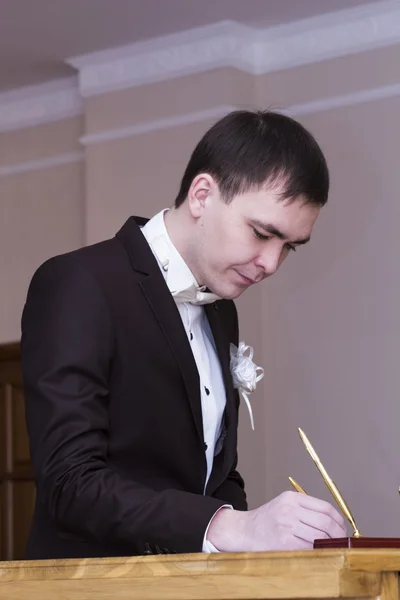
(207, 545)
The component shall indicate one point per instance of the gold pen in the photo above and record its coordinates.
(297, 486)
(330, 483)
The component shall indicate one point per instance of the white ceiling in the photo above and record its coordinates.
(36, 36)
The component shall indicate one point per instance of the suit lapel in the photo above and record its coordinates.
(213, 312)
(165, 311)
(222, 345)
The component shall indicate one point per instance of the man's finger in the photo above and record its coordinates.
(321, 523)
(320, 506)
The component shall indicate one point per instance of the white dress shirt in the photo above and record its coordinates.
(179, 277)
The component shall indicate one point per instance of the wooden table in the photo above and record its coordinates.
(265, 575)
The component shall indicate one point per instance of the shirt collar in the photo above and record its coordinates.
(176, 272)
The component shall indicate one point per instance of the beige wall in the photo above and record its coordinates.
(339, 76)
(325, 327)
(331, 329)
(41, 209)
(49, 140)
(330, 321)
(165, 99)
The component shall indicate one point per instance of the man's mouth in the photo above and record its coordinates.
(246, 279)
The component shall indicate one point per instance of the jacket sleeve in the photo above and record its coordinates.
(67, 349)
(231, 491)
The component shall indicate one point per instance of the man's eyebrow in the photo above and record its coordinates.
(269, 228)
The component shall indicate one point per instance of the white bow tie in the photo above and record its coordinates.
(195, 295)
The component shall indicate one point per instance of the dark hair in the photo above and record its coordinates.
(246, 150)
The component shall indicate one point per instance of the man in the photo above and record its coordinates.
(131, 410)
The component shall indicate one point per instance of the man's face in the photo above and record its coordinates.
(241, 243)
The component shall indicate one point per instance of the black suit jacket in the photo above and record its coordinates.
(113, 407)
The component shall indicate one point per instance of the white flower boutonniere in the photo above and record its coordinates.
(245, 373)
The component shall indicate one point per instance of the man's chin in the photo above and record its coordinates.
(231, 292)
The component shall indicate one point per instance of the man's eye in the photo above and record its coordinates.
(291, 248)
(260, 236)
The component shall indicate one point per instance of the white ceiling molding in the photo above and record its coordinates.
(35, 105)
(217, 112)
(229, 44)
(43, 163)
(219, 45)
(328, 36)
(224, 44)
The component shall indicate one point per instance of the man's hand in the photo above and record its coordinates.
(291, 521)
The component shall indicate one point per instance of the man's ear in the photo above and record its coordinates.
(201, 189)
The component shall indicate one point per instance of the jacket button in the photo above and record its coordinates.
(205, 446)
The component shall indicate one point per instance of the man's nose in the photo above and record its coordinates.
(269, 260)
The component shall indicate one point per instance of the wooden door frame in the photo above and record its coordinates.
(11, 477)
(10, 351)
